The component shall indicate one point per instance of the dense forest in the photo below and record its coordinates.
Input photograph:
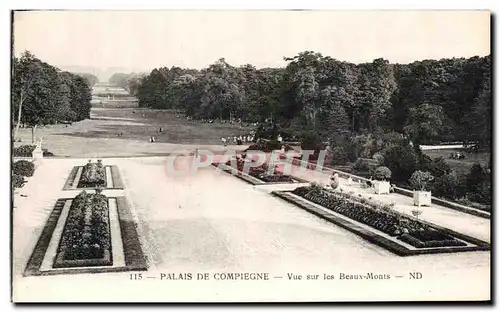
(366, 115)
(41, 94)
(429, 101)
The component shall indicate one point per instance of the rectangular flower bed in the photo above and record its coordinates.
(86, 238)
(77, 239)
(402, 234)
(93, 175)
(258, 175)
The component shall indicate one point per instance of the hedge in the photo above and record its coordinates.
(23, 168)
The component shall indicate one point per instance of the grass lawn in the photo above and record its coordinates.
(98, 136)
(461, 165)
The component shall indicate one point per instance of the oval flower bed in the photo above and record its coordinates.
(86, 239)
(93, 174)
(379, 217)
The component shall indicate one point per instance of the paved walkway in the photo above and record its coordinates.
(214, 222)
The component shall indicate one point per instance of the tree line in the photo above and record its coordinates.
(129, 82)
(41, 94)
(429, 101)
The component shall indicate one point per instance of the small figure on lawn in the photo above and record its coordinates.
(224, 142)
(161, 130)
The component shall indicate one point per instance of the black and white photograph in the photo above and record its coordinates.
(182, 156)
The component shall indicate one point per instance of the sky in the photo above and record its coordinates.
(143, 40)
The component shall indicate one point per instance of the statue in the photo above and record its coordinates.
(37, 153)
(334, 181)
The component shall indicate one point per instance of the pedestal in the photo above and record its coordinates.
(382, 187)
(422, 198)
(37, 156)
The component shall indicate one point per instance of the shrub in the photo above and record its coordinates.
(46, 153)
(420, 179)
(424, 162)
(267, 147)
(402, 161)
(362, 145)
(17, 181)
(379, 158)
(382, 173)
(310, 140)
(23, 151)
(364, 165)
(448, 186)
(439, 167)
(337, 156)
(27, 151)
(24, 168)
(478, 184)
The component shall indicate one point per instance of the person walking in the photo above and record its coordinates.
(224, 141)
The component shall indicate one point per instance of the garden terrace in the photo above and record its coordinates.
(257, 175)
(94, 175)
(311, 165)
(264, 233)
(401, 234)
(91, 233)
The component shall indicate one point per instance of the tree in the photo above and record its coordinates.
(22, 79)
(42, 94)
(479, 122)
(382, 173)
(420, 179)
(402, 161)
(424, 122)
(91, 79)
